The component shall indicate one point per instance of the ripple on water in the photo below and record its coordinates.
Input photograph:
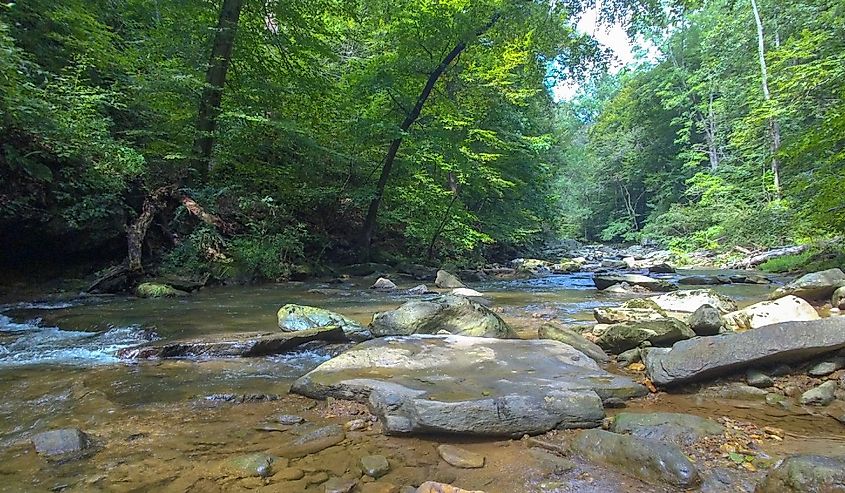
(30, 343)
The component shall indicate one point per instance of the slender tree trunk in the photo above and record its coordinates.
(774, 127)
(710, 135)
(215, 79)
(369, 226)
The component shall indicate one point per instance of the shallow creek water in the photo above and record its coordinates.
(157, 430)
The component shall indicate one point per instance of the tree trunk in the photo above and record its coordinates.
(710, 135)
(774, 127)
(369, 225)
(137, 231)
(215, 79)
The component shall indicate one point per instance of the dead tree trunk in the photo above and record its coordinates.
(137, 231)
(215, 79)
(369, 226)
(774, 126)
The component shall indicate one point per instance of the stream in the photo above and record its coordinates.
(166, 425)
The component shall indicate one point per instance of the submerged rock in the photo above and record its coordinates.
(312, 439)
(786, 309)
(375, 466)
(618, 338)
(817, 286)
(454, 314)
(433, 487)
(706, 321)
(648, 460)
(679, 429)
(293, 318)
(604, 281)
(700, 281)
(574, 339)
(64, 444)
(690, 300)
(420, 289)
(230, 345)
(805, 473)
(458, 457)
(828, 366)
(470, 385)
(446, 280)
(252, 465)
(710, 357)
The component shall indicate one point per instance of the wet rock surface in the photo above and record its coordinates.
(573, 338)
(64, 444)
(691, 300)
(231, 345)
(454, 314)
(420, 384)
(710, 357)
(649, 460)
(806, 473)
(679, 429)
(295, 318)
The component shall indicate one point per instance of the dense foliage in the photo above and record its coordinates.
(99, 110)
(680, 150)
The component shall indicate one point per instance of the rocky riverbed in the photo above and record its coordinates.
(627, 390)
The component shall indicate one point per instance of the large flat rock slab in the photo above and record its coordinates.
(710, 357)
(470, 385)
(235, 345)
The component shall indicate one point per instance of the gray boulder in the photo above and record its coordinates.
(651, 461)
(787, 309)
(470, 385)
(618, 338)
(679, 429)
(621, 314)
(604, 281)
(294, 318)
(805, 473)
(574, 339)
(689, 300)
(710, 357)
(706, 321)
(819, 396)
(454, 314)
(447, 280)
(700, 281)
(64, 444)
(817, 286)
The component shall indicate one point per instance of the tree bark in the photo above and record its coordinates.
(137, 231)
(774, 127)
(368, 228)
(215, 79)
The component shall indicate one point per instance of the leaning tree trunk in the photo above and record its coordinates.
(215, 79)
(774, 127)
(369, 226)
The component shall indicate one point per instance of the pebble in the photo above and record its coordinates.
(340, 485)
(827, 367)
(290, 419)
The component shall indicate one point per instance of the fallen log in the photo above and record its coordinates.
(757, 259)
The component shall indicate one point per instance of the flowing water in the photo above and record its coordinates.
(165, 425)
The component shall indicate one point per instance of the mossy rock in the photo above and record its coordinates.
(644, 304)
(156, 290)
